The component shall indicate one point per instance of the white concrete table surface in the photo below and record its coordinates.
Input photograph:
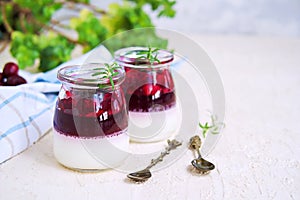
(258, 156)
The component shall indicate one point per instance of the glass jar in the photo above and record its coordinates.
(150, 93)
(90, 119)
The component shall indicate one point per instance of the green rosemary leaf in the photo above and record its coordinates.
(108, 72)
(97, 73)
(214, 128)
(102, 86)
(155, 50)
(215, 132)
(107, 65)
(98, 69)
(103, 72)
(155, 59)
(112, 83)
(150, 55)
(201, 126)
(142, 52)
(204, 133)
(117, 67)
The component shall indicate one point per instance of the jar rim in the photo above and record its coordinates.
(130, 57)
(82, 75)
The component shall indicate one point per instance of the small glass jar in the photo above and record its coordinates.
(90, 119)
(150, 93)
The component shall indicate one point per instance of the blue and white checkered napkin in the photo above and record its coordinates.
(25, 115)
(26, 111)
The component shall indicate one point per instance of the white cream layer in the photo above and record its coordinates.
(154, 126)
(90, 154)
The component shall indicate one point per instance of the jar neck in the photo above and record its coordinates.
(88, 77)
(146, 68)
(140, 57)
(104, 89)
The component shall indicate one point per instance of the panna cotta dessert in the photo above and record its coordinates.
(91, 118)
(150, 93)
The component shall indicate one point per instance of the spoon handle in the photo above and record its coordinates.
(172, 144)
(199, 154)
(195, 143)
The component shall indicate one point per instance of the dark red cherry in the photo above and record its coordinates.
(68, 94)
(10, 69)
(15, 80)
(1, 78)
(150, 89)
(147, 89)
(65, 104)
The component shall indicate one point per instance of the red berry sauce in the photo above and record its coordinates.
(146, 91)
(90, 114)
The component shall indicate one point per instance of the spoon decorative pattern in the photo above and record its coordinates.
(145, 174)
(203, 166)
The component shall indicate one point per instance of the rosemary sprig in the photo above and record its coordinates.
(150, 55)
(109, 71)
(214, 128)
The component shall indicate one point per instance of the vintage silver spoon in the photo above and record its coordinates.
(203, 166)
(145, 174)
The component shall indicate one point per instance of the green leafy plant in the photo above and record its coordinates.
(150, 55)
(37, 38)
(213, 128)
(108, 72)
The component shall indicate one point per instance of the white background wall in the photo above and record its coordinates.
(260, 17)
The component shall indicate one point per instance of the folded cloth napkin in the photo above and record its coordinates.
(25, 117)
(26, 111)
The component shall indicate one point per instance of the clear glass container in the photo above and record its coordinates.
(150, 93)
(90, 119)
